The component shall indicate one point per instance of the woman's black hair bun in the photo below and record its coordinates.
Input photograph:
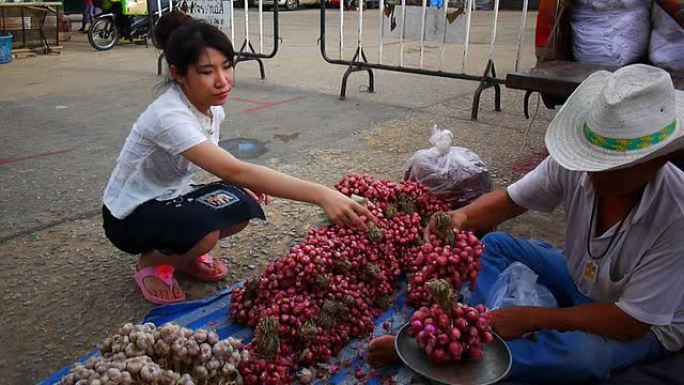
(167, 24)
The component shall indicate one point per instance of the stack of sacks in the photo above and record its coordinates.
(667, 38)
(610, 32)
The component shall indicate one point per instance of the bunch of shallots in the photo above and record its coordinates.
(168, 355)
(458, 264)
(331, 286)
(447, 331)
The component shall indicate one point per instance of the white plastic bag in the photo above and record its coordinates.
(455, 174)
(610, 32)
(517, 286)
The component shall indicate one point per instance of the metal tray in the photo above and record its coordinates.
(493, 367)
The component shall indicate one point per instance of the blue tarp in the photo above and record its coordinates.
(212, 313)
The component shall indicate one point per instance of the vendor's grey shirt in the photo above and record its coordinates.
(643, 272)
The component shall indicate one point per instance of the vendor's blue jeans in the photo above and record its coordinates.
(553, 356)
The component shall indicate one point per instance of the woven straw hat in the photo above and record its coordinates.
(616, 120)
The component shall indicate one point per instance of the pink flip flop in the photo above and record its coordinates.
(207, 260)
(162, 272)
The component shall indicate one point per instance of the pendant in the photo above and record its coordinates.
(591, 271)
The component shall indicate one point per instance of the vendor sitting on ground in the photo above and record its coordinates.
(620, 281)
(152, 208)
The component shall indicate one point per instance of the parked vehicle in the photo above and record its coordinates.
(353, 4)
(105, 32)
(289, 5)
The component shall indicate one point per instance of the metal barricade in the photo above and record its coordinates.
(359, 62)
(221, 13)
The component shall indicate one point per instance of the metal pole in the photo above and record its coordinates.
(382, 30)
(261, 26)
(402, 34)
(496, 20)
(170, 5)
(232, 21)
(422, 34)
(521, 35)
(360, 33)
(444, 33)
(469, 10)
(159, 8)
(342, 29)
(247, 23)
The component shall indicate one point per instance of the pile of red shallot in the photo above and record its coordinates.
(455, 257)
(307, 305)
(447, 331)
(168, 355)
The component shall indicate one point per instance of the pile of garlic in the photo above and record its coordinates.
(168, 355)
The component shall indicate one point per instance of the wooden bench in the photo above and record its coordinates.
(31, 23)
(556, 80)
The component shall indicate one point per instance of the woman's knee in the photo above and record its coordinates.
(233, 229)
(206, 243)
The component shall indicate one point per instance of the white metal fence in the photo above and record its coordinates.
(226, 16)
(412, 25)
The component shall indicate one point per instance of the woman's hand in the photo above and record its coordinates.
(261, 198)
(458, 218)
(343, 211)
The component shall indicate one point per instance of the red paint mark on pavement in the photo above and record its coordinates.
(261, 105)
(34, 156)
(247, 101)
(529, 162)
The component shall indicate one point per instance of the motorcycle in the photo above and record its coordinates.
(104, 33)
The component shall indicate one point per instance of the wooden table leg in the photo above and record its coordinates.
(23, 27)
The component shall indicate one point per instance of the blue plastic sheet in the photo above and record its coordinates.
(212, 313)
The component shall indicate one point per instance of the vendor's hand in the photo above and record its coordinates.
(513, 322)
(457, 217)
(343, 211)
(261, 198)
(381, 351)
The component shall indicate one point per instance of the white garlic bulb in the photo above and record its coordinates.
(150, 372)
(305, 376)
(200, 335)
(126, 378)
(134, 365)
(149, 327)
(106, 345)
(228, 369)
(161, 348)
(186, 379)
(213, 364)
(147, 355)
(200, 372)
(205, 352)
(68, 379)
(193, 347)
(126, 329)
(235, 343)
(212, 338)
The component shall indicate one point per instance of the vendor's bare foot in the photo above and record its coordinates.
(381, 351)
(159, 289)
